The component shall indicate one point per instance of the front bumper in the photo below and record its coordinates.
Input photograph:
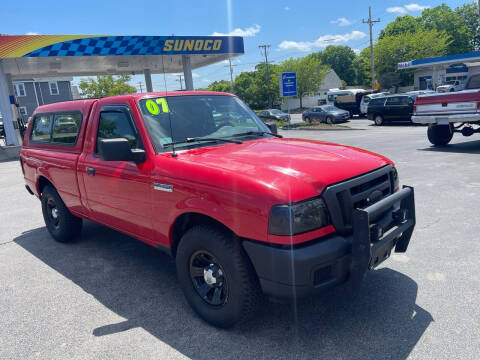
(308, 269)
(446, 119)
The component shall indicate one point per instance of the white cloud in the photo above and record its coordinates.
(286, 8)
(397, 10)
(357, 51)
(226, 62)
(32, 33)
(407, 8)
(416, 7)
(341, 22)
(322, 41)
(250, 31)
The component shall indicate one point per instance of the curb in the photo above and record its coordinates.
(319, 129)
(9, 153)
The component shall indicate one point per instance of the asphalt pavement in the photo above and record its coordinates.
(108, 296)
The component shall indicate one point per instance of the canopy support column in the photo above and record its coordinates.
(148, 79)
(187, 72)
(6, 101)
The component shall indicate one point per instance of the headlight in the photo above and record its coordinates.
(298, 218)
(396, 182)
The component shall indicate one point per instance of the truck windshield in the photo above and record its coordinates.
(178, 118)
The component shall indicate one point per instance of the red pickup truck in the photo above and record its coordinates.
(446, 114)
(242, 210)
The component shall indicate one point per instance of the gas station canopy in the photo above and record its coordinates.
(30, 56)
(79, 55)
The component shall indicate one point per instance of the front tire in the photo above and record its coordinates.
(329, 120)
(308, 120)
(379, 120)
(439, 135)
(61, 224)
(216, 276)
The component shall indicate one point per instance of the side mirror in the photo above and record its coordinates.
(119, 150)
(272, 126)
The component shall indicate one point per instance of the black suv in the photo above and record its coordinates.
(391, 108)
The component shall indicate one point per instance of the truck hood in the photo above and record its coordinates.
(289, 169)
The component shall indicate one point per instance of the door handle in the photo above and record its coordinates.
(90, 170)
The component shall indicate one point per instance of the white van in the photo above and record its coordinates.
(333, 93)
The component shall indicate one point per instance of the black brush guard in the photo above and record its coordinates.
(380, 227)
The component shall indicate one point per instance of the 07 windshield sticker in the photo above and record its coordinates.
(154, 109)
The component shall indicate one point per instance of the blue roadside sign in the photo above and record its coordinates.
(288, 84)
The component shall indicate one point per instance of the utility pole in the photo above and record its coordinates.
(231, 72)
(370, 23)
(180, 80)
(140, 85)
(265, 47)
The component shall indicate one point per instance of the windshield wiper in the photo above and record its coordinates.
(198, 139)
(257, 133)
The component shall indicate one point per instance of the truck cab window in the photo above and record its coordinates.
(66, 127)
(117, 124)
(474, 82)
(42, 128)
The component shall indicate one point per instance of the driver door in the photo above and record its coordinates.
(118, 192)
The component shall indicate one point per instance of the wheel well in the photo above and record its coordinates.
(42, 182)
(188, 220)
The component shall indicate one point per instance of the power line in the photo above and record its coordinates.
(265, 47)
(140, 85)
(370, 23)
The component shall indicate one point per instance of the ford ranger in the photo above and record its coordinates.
(446, 114)
(243, 211)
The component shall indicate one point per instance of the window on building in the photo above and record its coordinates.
(66, 127)
(23, 110)
(53, 86)
(42, 128)
(20, 89)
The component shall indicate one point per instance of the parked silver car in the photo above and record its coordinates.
(326, 113)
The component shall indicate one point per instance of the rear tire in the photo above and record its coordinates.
(439, 135)
(379, 120)
(329, 120)
(307, 119)
(205, 251)
(61, 224)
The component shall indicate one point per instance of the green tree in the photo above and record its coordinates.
(362, 68)
(443, 18)
(252, 87)
(104, 86)
(310, 73)
(221, 86)
(401, 25)
(341, 59)
(390, 50)
(469, 15)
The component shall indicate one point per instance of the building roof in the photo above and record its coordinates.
(473, 57)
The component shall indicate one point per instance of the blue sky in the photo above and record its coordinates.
(292, 28)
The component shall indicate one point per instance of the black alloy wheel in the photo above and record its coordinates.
(52, 212)
(208, 278)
